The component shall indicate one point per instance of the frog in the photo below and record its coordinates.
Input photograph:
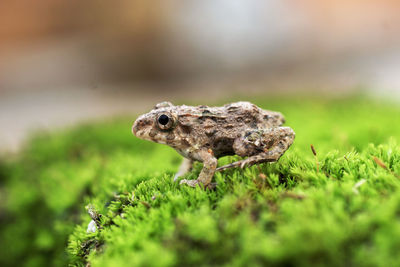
(205, 134)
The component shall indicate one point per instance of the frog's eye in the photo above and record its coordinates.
(165, 121)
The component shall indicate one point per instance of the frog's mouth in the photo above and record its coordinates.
(142, 129)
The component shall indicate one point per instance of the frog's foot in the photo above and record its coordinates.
(191, 183)
(194, 183)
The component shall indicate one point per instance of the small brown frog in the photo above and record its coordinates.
(207, 133)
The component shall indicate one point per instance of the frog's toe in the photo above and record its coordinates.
(194, 183)
(191, 183)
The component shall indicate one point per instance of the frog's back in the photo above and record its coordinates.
(238, 116)
(254, 116)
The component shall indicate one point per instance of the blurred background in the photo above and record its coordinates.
(62, 62)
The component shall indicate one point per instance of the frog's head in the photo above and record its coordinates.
(158, 125)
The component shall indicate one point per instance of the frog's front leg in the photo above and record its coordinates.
(207, 173)
(261, 146)
(185, 167)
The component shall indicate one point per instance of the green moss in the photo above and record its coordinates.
(345, 210)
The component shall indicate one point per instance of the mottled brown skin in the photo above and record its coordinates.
(207, 133)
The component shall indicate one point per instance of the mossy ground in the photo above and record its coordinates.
(339, 208)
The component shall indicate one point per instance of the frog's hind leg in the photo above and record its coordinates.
(262, 146)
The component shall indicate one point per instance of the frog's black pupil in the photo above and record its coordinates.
(163, 119)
